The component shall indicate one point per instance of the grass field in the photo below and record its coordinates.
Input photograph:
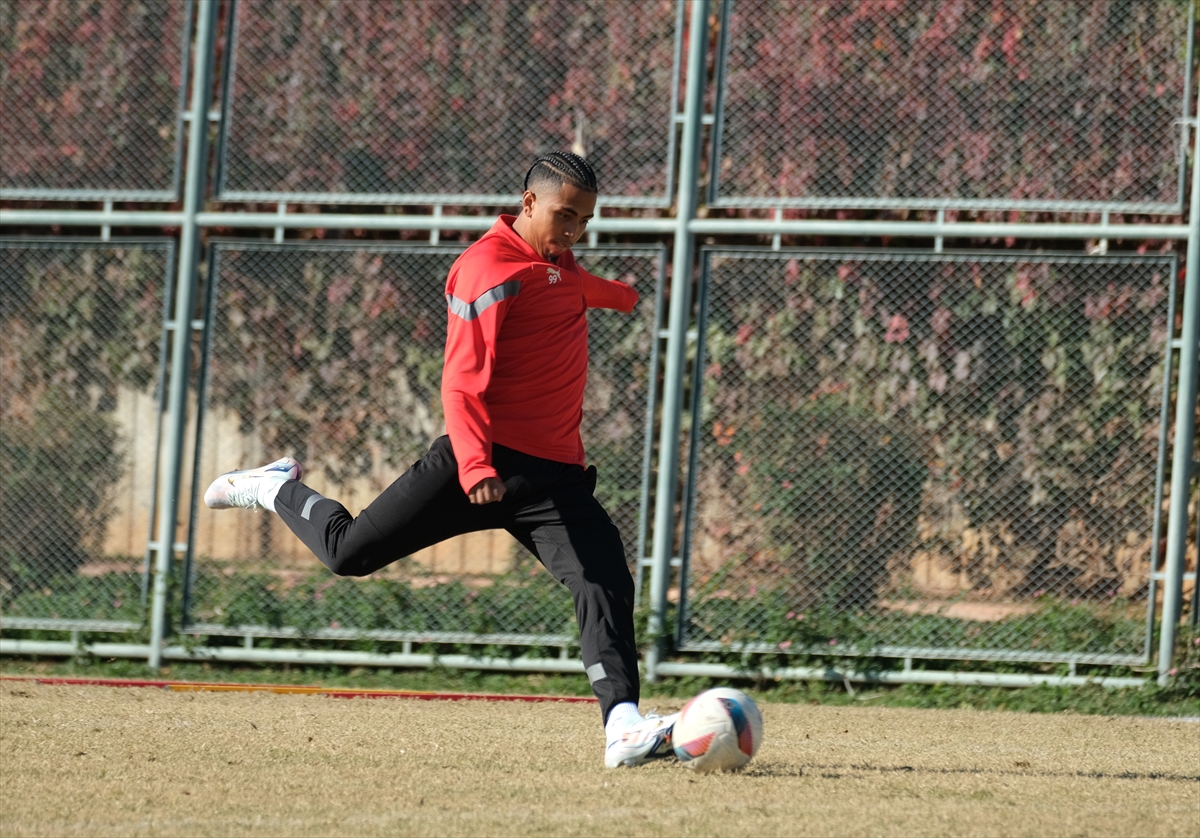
(110, 762)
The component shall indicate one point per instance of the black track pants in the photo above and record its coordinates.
(548, 507)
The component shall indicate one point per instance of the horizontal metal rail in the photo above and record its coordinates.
(409, 222)
(314, 657)
(700, 226)
(456, 199)
(920, 203)
(214, 630)
(933, 229)
(906, 676)
(150, 196)
(317, 657)
(297, 221)
(935, 653)
(90, 218)
(67, 624)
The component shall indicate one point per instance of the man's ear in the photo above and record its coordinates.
(527, 202)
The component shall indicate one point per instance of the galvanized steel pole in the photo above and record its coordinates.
(677, 323)
(1185, 429)
(185, 296)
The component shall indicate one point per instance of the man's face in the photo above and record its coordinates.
(556, 220)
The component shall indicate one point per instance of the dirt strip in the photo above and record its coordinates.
(290, 689)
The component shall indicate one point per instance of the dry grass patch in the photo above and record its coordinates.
(106, 762)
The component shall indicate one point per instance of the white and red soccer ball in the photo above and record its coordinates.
(718, 730)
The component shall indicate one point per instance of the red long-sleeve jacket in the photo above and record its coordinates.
(517, 351)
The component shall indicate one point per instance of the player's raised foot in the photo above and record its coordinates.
(644, 741)
(244, 489)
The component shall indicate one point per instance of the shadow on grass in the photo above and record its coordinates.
(856, 770)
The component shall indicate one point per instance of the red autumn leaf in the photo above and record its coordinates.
(897, 331)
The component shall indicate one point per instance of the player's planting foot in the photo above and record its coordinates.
(641, 742)
(253, 488)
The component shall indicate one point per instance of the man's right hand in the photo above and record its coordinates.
(488, 490)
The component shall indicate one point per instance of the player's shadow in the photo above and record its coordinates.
(859, 770)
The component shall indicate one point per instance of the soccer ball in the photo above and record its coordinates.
(718, 730)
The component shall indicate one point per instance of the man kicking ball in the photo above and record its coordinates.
(512, 391)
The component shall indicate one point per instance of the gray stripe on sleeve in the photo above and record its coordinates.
(595, 672)
(308, 505)
(469, 311)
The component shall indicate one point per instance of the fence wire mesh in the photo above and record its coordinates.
(931, 455)
(333, 354)
(92, 96)
(81, 335)
(937, 456)
(443, 101)
(1053, 104)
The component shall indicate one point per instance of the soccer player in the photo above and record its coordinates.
(512, 391)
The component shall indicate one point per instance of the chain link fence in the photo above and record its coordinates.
(92, 97)
(81, 336)
(1019, 104)
(927, 455)
(332, 353)
(444, 101)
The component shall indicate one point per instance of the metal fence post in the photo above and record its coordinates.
(1185, 429)
(677, 323)
(185, 279)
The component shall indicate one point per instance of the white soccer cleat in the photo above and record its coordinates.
(242, 489)
(648, 739)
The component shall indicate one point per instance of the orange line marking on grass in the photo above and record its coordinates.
(288, 689)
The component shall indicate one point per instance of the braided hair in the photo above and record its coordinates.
(561, 167)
